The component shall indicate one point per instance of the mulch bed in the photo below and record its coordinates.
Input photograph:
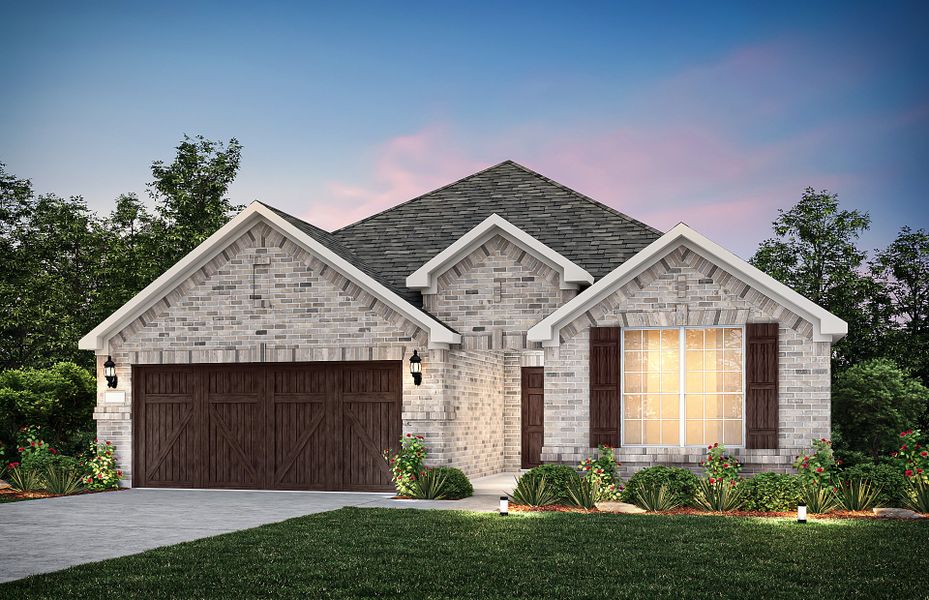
(551, 508)
(837, 514)
(10, 495)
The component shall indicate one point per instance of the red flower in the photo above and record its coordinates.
(819, 469)
(924, 454)
(108, 442)
(53, 451)
(908, 473)
(903, 447)
(712, 481)
(919, 471)
(902, 434)
(32, 444)
(20, 449)
(726, 465)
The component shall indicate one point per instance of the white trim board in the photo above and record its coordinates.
(98, 338)
(826, 326)
(571, 276)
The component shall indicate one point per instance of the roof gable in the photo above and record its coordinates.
(826, 326)
(400, 240)
(331, 253)
(424, 279)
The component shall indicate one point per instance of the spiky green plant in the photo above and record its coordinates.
(719, 496)
(818, 498)
(25, 480)
(429, 485)
(583, 492)
(656, 499)
(918, 497)
(62, 480)
(857, 494)
(531, 490)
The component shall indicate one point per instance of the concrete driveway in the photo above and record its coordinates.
(39, 536)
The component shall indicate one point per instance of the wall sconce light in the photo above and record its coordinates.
(801, 513)
(109, 371)
(416, 368)
(504, 506)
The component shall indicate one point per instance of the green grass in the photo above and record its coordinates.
(378, 553)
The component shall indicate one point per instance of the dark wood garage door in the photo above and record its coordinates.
(301, 426)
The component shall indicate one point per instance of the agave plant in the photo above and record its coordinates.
(25, 480)
(656, 499)
(583, 492)
(918, 497)
(532, 491)
(62, 480)
(818, 498)
(857, 494)
(430, 485)
(718, 495)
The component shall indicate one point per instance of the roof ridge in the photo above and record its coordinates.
(438, 189)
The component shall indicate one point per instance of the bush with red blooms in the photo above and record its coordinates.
(719, 466)
(912, 457)
(817, 465)
(407, 464)
(99, 465)
(603, 472)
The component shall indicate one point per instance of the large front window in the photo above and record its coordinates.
(683, 386)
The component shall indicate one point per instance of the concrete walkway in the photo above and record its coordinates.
(39, 536)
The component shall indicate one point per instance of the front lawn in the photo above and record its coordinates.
(365, 553)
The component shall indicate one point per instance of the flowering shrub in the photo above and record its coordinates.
(602, 472)
(719, 466)
(912, 458)
(818, 465)
(407, 464)
(99, 466)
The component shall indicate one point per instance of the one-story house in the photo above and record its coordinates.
(276, 355)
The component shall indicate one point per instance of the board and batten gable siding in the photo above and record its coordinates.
(266, 299)
(684, 288)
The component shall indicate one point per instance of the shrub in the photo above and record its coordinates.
(37, 455)
(872, 401)
(818, 498)
(557, 479)
(62, 480)
(655, 498)
(603, 472)
(771, 492)
(888, 479)
(719, 466)
(457, 485)
(99, 464)
(407, 463)
(718, 496)
(817, 465)
(533, 489)
(856, 494)
(912, 458)
(60, 399)
(681, 484)
(917, 497)
(583, 492)
(24, 480)
(429, 485)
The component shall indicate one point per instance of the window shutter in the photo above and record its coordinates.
(761, 385)
(604, 386)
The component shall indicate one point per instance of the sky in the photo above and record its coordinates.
(714, 114)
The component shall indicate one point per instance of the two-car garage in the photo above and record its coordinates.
(286, 426)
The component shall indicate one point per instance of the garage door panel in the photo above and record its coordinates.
(279, 426)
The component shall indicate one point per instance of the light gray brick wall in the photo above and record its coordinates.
(685, 288)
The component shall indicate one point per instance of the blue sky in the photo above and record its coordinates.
(716, 115)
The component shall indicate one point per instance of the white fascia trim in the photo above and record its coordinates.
(425, 278)
(826, 326)
(98, 338)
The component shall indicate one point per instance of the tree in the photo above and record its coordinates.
(814, 252)
(903, 269)
(190, 193)
(872, 402)
(16, 198)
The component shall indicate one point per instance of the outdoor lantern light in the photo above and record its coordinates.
(109, 371)
(801, 513)
(416, 368)
(504, 506)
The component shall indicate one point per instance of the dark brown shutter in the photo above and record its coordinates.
(604, 386)
(761, 385)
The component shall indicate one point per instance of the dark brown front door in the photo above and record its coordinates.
(304, 426)
(533, 416)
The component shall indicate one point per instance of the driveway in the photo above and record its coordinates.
(38, 536)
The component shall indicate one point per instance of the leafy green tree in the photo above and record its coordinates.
(16, 199)
(60, 399)
(191, 193)
(814, 251)
(903, 269)
(872, 402)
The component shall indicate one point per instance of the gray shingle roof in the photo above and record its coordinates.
(396, 242)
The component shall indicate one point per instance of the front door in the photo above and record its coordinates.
(533, 416)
